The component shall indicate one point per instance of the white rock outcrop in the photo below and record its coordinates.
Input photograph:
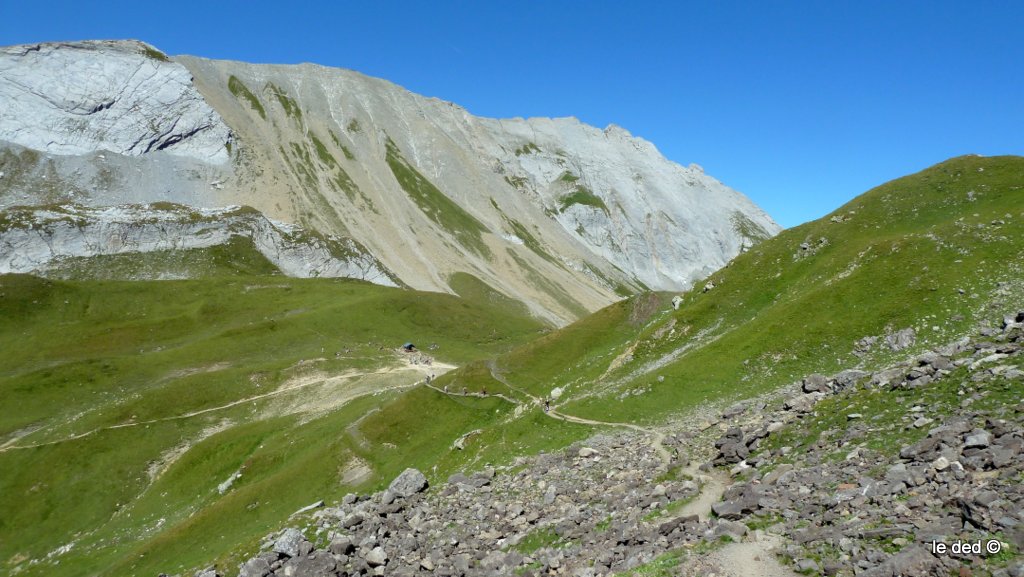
(38, 241)
(125, 97)
(666, 224)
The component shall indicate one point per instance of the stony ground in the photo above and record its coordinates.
(861, 495)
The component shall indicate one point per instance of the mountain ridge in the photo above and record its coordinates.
(569, 217)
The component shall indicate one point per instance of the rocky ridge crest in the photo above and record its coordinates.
(562, 216)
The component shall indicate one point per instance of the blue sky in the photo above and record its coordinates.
(800, 105)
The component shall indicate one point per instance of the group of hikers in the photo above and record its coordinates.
(411, 348)
(465, 390)
(482, 393)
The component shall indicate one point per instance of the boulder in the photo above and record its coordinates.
(776, 473)
(317, 565)
(408, 483)
(816, 384)
(352, 520)
(977, 438)
(342, 545)
(902, 339)
(914, 560)
(255, 567)
(728, 509)
(732, 529)
(734, 411)
(848, 377)
(376, 557)
(803, 403)
(288, 542)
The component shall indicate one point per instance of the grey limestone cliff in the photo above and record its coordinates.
(562, 216)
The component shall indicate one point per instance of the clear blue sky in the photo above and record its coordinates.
(800, 105)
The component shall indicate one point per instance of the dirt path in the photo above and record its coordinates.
(657, 437)
(753, 557)
(290, 386)
(750, 558)
(712, 485)
(476, 395)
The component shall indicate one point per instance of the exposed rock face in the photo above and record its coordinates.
(562, 216)
(587, 208)
(410, 482)
(667, 224)
(39, 241)
(125, 97)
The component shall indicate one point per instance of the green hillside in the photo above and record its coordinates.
(938, 251)
(135, 400)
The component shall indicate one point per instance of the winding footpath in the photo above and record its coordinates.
(657, 437)
(296, 384)
(749, 558)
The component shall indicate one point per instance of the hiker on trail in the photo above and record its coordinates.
(446, 389)
(483, 392)
(428, 379)
(465, 391)
(547, 405)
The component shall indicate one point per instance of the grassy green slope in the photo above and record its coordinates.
(937, 251)
(123, 365)
(238, 256)
(464, 227)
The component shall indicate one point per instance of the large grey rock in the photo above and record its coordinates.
(408, 483)
(729, 509)
(255, 567)
(342, 545)
(847, 377)
(902, 339)
(319, 564)
(803, 403)
(816, 383)
(376, 557)
(80, 97)
(288, 542)
(352, 520)
(977, 438)
(914, 560)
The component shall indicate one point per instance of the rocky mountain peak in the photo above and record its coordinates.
(560, 215)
